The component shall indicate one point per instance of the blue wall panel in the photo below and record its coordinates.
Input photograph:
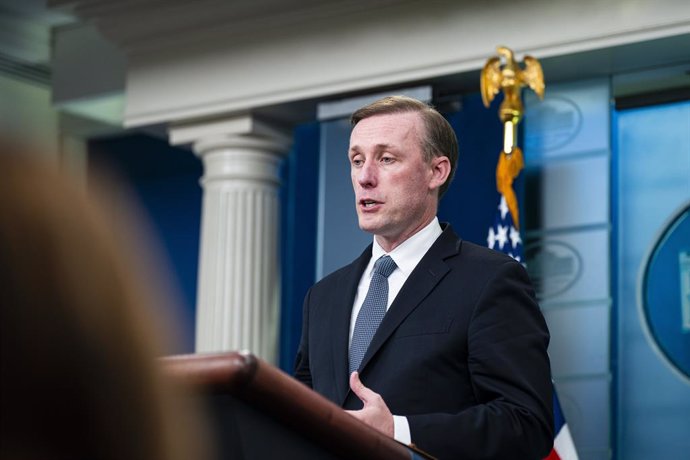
(653, 171)
(567, 222)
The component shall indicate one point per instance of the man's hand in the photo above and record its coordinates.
(375, 413)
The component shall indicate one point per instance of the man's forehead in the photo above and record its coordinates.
(382, 130)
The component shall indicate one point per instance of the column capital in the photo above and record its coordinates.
(231, 128)
(230, 158)
(248, 143)
(235, 148)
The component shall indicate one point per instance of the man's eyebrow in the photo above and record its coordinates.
(377, 147)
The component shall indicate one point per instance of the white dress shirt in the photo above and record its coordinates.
(406, 257)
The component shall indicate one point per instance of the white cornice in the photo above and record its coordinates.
(204, 59)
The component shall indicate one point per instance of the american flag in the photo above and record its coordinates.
(563, 446)
(504, 237)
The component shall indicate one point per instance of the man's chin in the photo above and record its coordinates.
(368, 226)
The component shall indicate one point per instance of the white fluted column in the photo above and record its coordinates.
(238, 286)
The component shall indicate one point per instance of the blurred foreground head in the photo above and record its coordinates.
(78, 341)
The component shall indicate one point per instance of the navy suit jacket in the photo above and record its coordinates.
(461, 352)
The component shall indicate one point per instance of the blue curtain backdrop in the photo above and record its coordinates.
(299, 201)
(470, 202)
(165, 182)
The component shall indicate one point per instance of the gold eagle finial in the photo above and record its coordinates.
(509, 77)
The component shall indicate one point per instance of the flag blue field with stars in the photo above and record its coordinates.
(503, 236)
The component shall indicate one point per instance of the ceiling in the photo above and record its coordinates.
(25, 37)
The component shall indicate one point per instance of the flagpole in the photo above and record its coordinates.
(503, 73)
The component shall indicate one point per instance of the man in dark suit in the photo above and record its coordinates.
(443, 341)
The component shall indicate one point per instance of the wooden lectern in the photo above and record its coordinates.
(259, 412)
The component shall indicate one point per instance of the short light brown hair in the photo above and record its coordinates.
(439, 138)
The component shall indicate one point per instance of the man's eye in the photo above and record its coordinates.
(356, 162)
(387, 160)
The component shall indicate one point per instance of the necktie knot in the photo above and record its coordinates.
(384, 266)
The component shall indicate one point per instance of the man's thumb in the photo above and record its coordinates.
(358, 387)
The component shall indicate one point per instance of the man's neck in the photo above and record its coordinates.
(388, 245)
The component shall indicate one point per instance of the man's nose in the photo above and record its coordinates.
(366, 175)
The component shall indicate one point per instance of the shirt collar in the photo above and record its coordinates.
(408, 254)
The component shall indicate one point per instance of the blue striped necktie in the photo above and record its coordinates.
(372, 311)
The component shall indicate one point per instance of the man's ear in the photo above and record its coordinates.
(440, 170)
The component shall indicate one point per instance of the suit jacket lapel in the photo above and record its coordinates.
(430, 270)
(341, 315)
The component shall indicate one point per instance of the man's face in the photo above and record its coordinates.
(395, 189)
